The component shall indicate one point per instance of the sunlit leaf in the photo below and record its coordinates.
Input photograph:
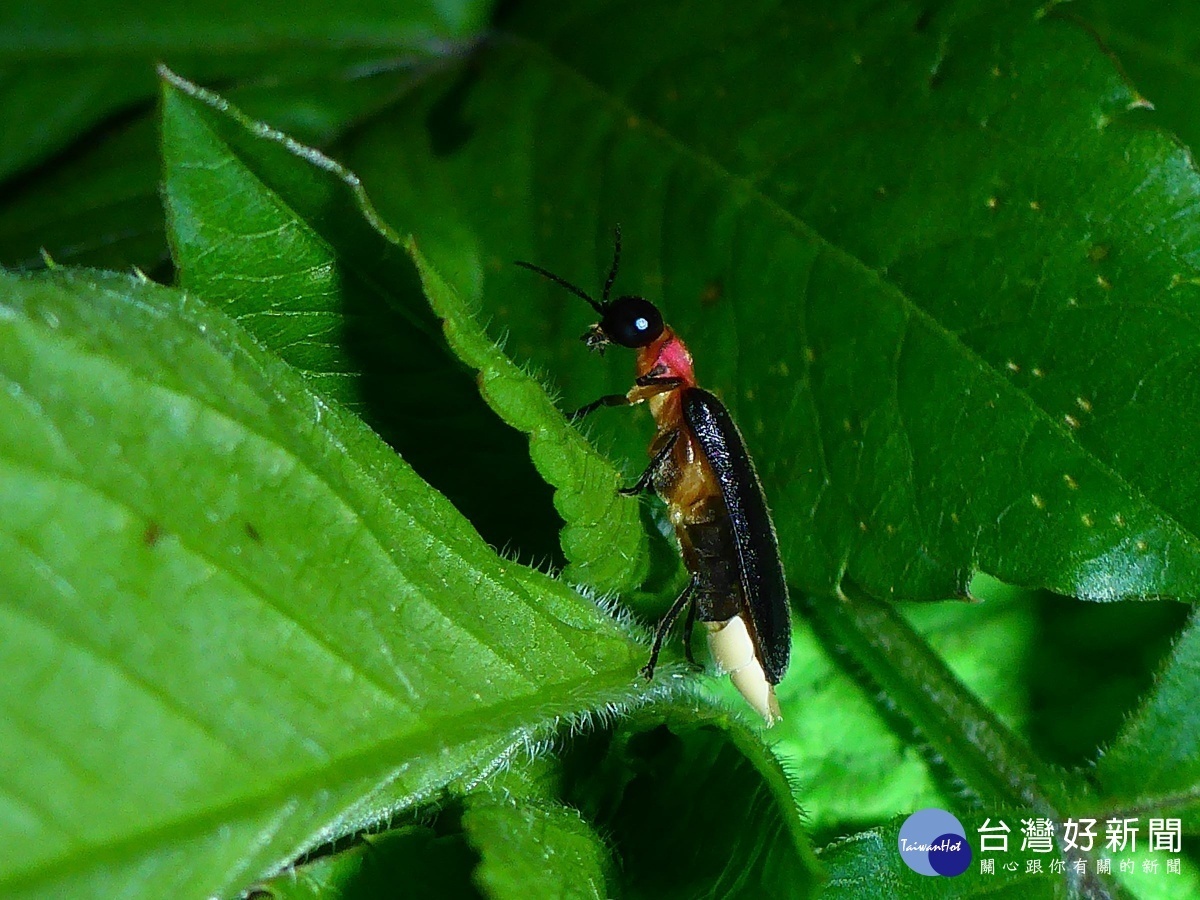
(235, 624)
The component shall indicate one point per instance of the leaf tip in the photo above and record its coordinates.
(169, 77)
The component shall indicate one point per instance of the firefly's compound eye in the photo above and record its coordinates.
(632, 322)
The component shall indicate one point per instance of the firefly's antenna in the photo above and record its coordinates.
(562, 282)
(612, 273)
(601, 306)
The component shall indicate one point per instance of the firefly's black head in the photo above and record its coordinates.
(630, 321)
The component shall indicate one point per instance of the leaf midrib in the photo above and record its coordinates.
(377, 762)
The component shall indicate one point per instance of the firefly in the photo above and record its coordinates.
(700, 468)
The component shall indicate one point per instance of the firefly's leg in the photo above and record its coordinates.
(657, 385)
(645, 482)
(608, 400)
(664, 627)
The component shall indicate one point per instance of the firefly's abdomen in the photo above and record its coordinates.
(755, 549)
(728, 542)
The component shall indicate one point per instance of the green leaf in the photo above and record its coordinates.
(103, 210)
(867, 866)
(427, 864)
(603, 537)
(46, 105)
(535, 849)
(851, 761)
(693, 804)
(1153, 767)
(1158, 46)
(1162, 885)
(235, 624)
(512, 837)
(946, 289)
(939, 287)
(101, 207)
(697, 806)
(288, 242)
(1087, 667)
(993, 762)
(68, 65)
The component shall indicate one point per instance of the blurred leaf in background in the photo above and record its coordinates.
(940, 260)
(78, 151)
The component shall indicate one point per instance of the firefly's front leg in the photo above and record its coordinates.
(608, 400)
(647, 387)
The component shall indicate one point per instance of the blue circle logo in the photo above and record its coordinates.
(933, 842)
